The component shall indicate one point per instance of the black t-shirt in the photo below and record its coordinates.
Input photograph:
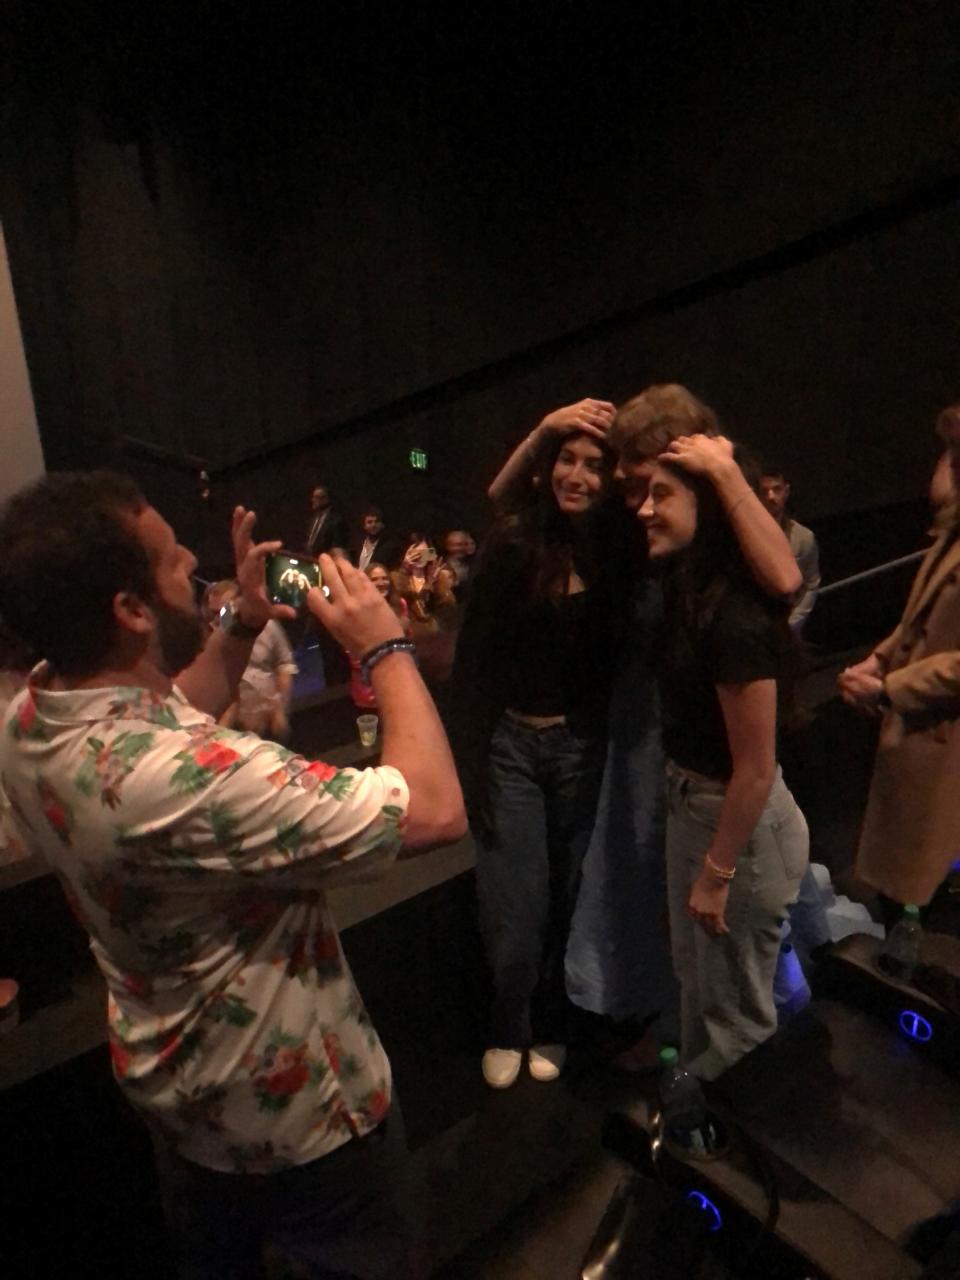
(561, 661)
(745, 640)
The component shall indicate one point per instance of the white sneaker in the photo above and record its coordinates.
(546, 1060)
(501, 1067)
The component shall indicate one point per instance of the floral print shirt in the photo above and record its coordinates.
(197, 858)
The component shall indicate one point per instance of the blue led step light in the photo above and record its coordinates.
(915, 1026)
(700, 1200)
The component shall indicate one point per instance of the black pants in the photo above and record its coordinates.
(344, 1215)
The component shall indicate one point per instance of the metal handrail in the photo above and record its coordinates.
(871, 573)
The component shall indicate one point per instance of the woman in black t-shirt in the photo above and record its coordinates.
(531, 692)
(737, 844)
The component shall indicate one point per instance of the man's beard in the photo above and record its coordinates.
(181, 636)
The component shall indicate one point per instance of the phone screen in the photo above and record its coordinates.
(290, 577)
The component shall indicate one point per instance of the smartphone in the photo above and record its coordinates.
(290, 577)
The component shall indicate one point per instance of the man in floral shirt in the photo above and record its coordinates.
(198, 857)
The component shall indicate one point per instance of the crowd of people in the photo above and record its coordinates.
(625, 639)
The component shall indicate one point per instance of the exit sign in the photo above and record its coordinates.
(418, 459)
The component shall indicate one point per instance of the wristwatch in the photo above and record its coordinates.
(232, 625)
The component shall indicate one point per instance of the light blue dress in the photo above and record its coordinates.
(618, 953)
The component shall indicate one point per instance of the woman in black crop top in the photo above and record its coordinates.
(737, 844)
(531, 692)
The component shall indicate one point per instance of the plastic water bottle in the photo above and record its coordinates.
(901, 951)
(682, 1104)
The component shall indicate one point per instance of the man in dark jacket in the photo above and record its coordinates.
(327, 530)
(374, 545)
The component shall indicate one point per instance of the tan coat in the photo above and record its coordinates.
(911, 833)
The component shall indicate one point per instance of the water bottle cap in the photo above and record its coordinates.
(669, 1057)
(912, 910)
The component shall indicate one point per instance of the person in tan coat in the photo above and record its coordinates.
(911, 832)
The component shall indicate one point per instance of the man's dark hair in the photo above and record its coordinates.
(65, 552)
(372, 511)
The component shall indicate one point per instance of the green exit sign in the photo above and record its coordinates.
(418, 459)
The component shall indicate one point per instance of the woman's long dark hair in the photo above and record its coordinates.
(547, 545)
(699, 577)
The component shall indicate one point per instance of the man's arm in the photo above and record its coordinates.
(414, 742)
(762, 541)
(211, 682)
(509, 486)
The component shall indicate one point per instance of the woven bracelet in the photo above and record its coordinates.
(374, 655)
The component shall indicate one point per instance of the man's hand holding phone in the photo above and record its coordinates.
(355, 613)
(254, 606)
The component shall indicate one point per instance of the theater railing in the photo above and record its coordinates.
(874, 572)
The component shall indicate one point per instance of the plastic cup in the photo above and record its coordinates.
(367, 729)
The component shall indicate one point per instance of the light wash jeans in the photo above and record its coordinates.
(726, 983)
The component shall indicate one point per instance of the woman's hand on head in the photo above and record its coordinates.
(703, 455)
(592, 417)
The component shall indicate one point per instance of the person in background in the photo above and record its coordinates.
(326, 532)
(198, 860)
(911, 830)
(375, 546)
(263, 695)
(737, 844)
(427, 589)
(327, 528)
(807, 927)
(775, 492)
(424, 584)
(362, 691)
(458, 560)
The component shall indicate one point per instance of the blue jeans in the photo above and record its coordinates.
(543, 787)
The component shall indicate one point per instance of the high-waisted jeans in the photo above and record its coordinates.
(727, 982)
(543, 787)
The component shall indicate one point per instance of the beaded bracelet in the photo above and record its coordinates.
(722, 873)
(374, 655)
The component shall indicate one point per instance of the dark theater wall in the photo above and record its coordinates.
(282, 247)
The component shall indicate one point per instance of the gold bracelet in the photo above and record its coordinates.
(722, 873)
